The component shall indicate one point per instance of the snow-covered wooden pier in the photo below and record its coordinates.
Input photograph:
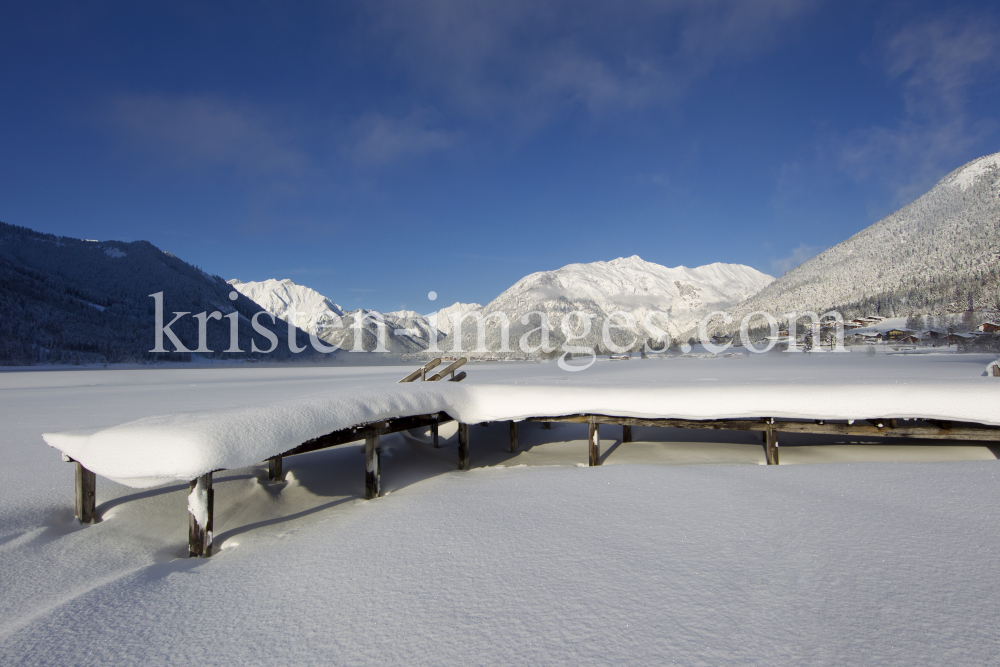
(193, 446)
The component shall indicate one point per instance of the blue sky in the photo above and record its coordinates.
(376, 151)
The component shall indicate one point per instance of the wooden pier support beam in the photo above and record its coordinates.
(594, 437)
(275, 469)
(434, 431)
(201, 508)
(513, 436)
(771, 445)
(626, 433)
(463, 446)
(86, 494)
(373, 466)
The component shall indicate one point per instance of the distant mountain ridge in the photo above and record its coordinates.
(406, 332)
(630, 285)
(939, 254)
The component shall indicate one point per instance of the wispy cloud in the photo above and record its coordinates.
(192, 131)
(522, 62)
(798, 255)
(377, 139)
(515, 65)
(937, 63)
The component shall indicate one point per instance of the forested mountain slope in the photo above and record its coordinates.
(68, 300)
(939, 254)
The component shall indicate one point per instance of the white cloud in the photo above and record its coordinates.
(799, 255)
(522, 62)
(937, 63)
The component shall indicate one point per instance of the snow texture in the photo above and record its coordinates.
(198, 503)
(853, 563)
(182, 446)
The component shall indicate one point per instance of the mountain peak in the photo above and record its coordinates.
(966, 176)
(634, 260)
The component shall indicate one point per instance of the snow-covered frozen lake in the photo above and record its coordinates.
(528, 557)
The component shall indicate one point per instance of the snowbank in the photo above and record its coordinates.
(181, 446)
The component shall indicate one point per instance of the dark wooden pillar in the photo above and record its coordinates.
(626, 433)
(201, 500)
(275, 469)
(86, 494)
(434, 431)
(771, 445)
(373, 467)
(463, 446)
(594, 436)
(513, 436)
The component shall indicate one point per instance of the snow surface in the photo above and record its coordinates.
(846, 563)
(184, 445)
(966, 176)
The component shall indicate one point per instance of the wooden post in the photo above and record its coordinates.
(434, 432)
(373, 461)
(771, 445)
(626, 434)
(275, 469)
(996, 370)
(594, 436)
(201, 508)
(463, 446)
(513, 436)
(86, 494)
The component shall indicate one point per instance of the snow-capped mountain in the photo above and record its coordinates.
(443, 318)
(406, 331)
(629, 285)
(939, 254)
(286, 300)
